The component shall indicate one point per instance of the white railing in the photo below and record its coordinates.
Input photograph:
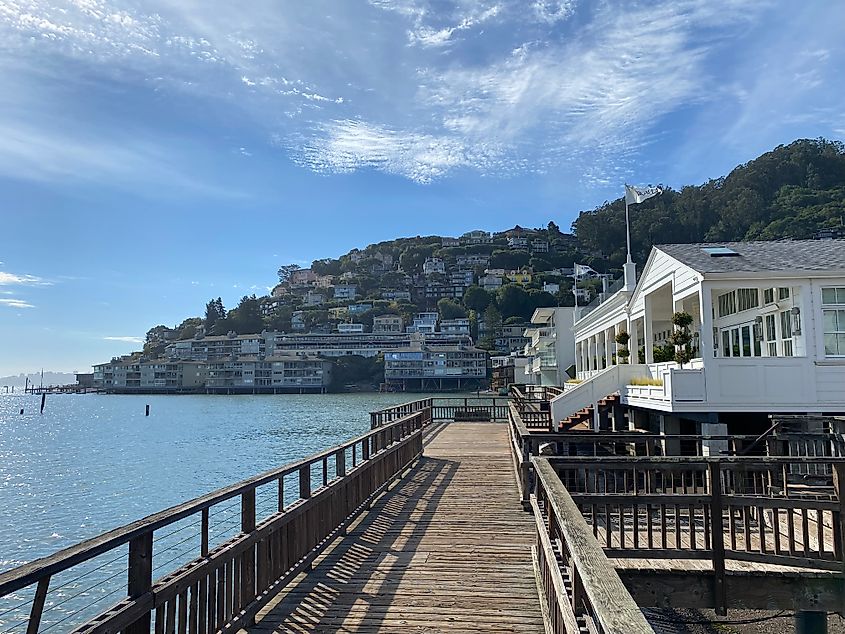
(600, 385)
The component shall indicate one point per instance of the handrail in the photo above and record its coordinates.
(743, 508)
(597, 594)
(447, 408)
(376, 458)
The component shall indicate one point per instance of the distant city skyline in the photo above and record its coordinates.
(153, 158)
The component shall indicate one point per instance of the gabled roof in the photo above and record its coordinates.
(782, 255)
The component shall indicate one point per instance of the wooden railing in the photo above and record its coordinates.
(581, 590)
(454, 408)
(755, 509)
(533, 402)
(527, 443)
(224, 585)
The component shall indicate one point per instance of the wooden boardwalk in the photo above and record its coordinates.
(446, 550)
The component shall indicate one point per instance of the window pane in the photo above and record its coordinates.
(840, 295)
(841, 321)
(828, 295)
(769, 295)
(771, 333)
(787, 348)
(841, 338)
(735, 342)
(746, 341)
(830, 345)
(830, 320)
(773, 349)
(726, 343)
(783, 293)
(785, 325)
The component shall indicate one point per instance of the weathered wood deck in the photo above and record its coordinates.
(447, 549)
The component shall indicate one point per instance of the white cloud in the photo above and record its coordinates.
(125, 339)
(9, 279)
(435, 87)
(15, 303)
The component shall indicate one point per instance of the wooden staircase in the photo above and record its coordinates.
(582, 420)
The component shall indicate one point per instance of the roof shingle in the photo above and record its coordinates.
(781, 255)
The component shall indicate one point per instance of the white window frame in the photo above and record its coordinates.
(837, 308)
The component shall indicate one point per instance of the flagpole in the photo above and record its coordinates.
(629, 269)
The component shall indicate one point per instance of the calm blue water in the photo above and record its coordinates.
(94, 462)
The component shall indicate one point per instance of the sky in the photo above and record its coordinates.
(154, 154)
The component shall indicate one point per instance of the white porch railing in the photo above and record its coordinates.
(601, 384)
(678, 386)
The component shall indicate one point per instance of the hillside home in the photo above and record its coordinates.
(768, 335)
(387, 324)
(303, 277)
(433, 265)
(345, 292)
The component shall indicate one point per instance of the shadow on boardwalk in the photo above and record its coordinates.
(447, 549)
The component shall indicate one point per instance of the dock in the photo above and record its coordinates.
(450, 516)
(448, 549)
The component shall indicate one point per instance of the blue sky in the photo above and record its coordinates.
(156, 154)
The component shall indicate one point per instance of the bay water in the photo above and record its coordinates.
(91, 463)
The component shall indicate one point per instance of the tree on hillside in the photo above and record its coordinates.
(286, 272)
(214, 311)
(450, 309)
(246, 318)
(509, 259)
(492, 324)
(512, 300)
(188, 328)
(326, 266)
(476, 298)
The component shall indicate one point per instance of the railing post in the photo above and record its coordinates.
(204, 533)
(717, 539)
(140, 577)
(38, 606)
(340, 463)
(247, 589)
(839, 515)
(305, 482)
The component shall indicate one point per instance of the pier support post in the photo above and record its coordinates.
(807, 622)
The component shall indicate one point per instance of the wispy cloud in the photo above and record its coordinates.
(438, 86)
(10, 279)
(15, 303)
(125, 339)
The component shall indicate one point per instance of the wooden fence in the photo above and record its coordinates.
(581, 589)
(225, 585)
(753, 509)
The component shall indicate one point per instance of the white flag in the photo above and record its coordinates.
(639, 194)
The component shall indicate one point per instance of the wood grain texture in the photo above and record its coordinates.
(447, 550)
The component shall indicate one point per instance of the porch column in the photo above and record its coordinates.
(608, 353)
(706, 317)
(648, 331)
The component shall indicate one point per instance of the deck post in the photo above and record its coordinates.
(807, 622)
(247, 590)
(717, 540)
(140, 577)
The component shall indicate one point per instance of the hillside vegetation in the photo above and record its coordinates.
(794, 191)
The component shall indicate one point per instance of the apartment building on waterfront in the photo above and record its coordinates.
(436, 367)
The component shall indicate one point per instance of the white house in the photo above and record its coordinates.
(768, 333)
(434, 265)
(551, 349)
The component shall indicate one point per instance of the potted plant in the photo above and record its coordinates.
(682, 338)
(622, 353)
